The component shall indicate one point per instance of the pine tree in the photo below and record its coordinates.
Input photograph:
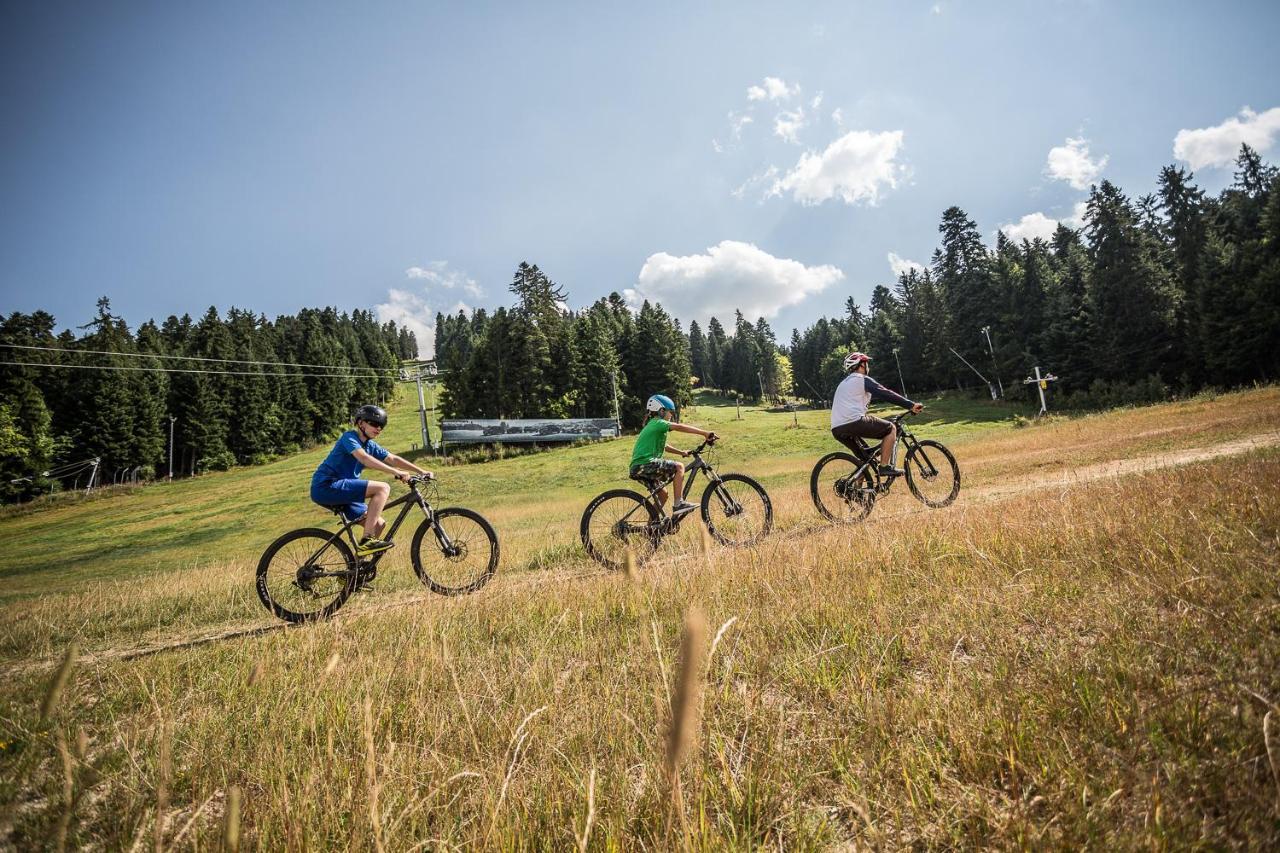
(102, 400)
(26, 423)
(698, 353)
(1184, 209)
(962, 270)
(151, 407)
(598, 366)
(1134, 302)
(717, 348)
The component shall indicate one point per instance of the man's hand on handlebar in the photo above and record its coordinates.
(917, 408)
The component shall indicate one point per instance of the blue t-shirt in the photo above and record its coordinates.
(340, 464)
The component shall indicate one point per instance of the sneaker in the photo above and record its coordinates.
(368, 546)
(682, 508)
(890, 471)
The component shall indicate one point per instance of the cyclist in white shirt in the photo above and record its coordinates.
(849, 418)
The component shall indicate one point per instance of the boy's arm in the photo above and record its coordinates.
(692, 429)
(368, 460)
(401, 462)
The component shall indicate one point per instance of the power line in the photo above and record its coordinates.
(372, 370)
(188, 370)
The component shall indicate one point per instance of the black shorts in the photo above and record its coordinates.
(868, 426)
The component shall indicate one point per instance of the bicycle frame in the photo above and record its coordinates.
(690, 474)
(410, 500)
(871, 452)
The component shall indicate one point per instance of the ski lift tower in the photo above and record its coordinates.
(1041, 383)
(416, 374)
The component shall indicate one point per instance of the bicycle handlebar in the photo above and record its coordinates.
(711, 439)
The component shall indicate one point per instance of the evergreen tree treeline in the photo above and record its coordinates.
(1173, 289)
(538, 359)
(227, 411)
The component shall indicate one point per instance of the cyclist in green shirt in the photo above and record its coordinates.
(647, 464)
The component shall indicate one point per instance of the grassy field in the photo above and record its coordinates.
(1082, 651)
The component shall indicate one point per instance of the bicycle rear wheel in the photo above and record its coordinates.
(306, 575)
(466, 562)
(932, 474)
(737, 510)
(616, 522)
(839, 492)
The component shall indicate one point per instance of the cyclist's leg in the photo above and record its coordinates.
(886, 446)
(656, 474)
(376, 494)
(849, 438)
(871, 428)
(350, 493)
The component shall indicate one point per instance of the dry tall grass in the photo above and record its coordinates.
(1090, 664)
(1092, 668)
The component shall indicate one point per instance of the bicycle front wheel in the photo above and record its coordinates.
(459, 560)
(932, 474)
(839, 492)
(306, 575)
(616, 522)
(737, 510)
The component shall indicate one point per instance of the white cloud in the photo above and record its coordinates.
(773, 89)
(730, 276)
(837, 116)
(410, 311)
(936, 9)
(855, 168)
(1030, 227)
(1071, 163)
(1076, 219)
(901, 265)
(438, 273)
(1036, 224)
(1218, 146)
(754, 181)
(788, 124)
(737, 123)
(816, 103)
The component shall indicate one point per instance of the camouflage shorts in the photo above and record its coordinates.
(656, 473)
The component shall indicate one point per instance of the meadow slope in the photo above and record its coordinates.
(1080, 652)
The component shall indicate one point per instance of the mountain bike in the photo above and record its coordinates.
(845, 486)
(307, 574)
(735, 508)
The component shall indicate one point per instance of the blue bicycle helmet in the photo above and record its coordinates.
(658, 402)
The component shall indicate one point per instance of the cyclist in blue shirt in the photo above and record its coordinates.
(335, 482)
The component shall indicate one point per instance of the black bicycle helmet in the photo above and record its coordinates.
(371, 414)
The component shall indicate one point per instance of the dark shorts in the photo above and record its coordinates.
(867, 427)
(657, 473)
(346, 493)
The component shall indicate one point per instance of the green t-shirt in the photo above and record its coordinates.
(651, 442)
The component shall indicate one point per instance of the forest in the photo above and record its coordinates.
(1152, 297)
(239, 389)
(1166, 294)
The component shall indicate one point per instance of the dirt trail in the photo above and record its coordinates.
(524, 580)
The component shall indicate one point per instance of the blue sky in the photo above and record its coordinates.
(405, 157)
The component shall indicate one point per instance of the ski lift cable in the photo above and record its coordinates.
(63, 350)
